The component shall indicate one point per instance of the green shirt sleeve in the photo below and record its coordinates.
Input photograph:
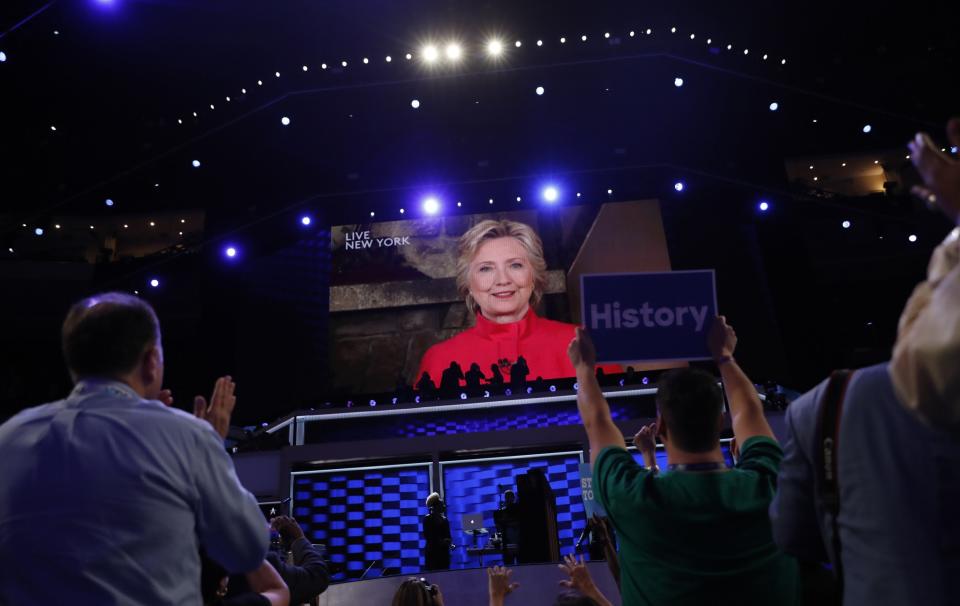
(618, 481)
(762, 455)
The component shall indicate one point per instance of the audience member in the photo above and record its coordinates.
(426, 387)
(417, 592)
(518, 373)
(496, 377)
(307, 577)
(262, 586)
(108, 495)
(700, 533)
(474, 379)
(871, 477)
(581, 583)
(450, 381)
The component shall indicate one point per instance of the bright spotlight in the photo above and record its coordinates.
(430, 53)
(912, 237)
(774, 106)
(453, 51)
(196, 163)
(38, 231)
(306, 220)
(764, 206)
(431, 205)
(550, 193)
(867, 128)
(678, 82)
(108, 202)
(230, 252)
(154, 283)
(845, 224)
(415, 104)
(494, 48)
(539, 90)
(285, 121)
(3, 57)
(678, 186)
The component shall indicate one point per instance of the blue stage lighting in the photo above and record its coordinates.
(108, 202)
(551, 193)
(774, 106)
(431, 205)
(416, 399)
(154, 283)
(678, 82)
(196, 163)
(38, 231)
(764, 206)
(306, 220)
(463, 396)
(645, 380)
(373, 402)
(867, 128)
(394, 400)
(3, 57)
(576, 387)
(678, 186)
(553, 388)
(285, 121)
(846, 224)
(508, 392)
(486, 394)
(230, 252)
(539, 90)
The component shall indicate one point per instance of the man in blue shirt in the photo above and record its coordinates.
(108, 495)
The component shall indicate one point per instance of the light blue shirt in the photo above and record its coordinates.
(105, 498)
(899, 481)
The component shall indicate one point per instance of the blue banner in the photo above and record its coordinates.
(649, 316)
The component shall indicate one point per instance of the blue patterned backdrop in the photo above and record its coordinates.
(363, 515)
(474, 487)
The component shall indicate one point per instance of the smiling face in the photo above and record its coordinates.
(501, 279)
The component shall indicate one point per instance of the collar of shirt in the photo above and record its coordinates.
(516, 330)
(89, 387)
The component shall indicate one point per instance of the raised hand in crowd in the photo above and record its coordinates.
(646, 442)
(288, 528)
(220, 408)
(165, 397)
(499, 585)
(940, 172)
(580, 580)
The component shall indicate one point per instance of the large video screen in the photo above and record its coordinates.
(394, 293)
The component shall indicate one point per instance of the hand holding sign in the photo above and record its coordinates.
(581, 350)
(722, 339)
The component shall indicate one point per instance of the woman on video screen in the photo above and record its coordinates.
(501, 274)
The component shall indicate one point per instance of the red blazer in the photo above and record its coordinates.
(542, 343)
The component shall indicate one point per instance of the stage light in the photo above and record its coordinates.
(746, 51)
(673, 30)
(678, 186)
(490, 200)
(529, 390)
(152, 224)
(550, 193)
(845, 224)
(486, 394)
(578, 194)
(366, 61)
(606, 35)
(609, 192)
(553, 388)
(783, 61)
(463, 396)
(388, 59)
(3, 57)
(416, 399)
(179, 121)
(764, 206)
(394, 400)
(415, 104)
(108, 202)
(678, 82)
(494, 48)
(408, 56)
(583, 38)
(196, 163)
(576, 387)
(285, 121)
(305, 220)
(912, 237)
(373, 402)
(372, 213)
(645, 380)
(729, 47)
(764, 57)
(539, 42)
(125, 226)
(774, 106)
(343, 63)
(56, 226)
(38, 231)
(453, 51)
(649, 31)
(539, 90)
(230, 252)
(430, 53)
(459, 204)
(563, 40)
(53, 128)
(508, 392)
(243, 91)
(154, 283)
(323, 66)
(402, 211)
(693, 36)
(632, 33)
(518, 44)
(228, 99)
(867, 128)
(305, 68)
(431, 205)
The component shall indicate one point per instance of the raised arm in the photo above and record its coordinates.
(593, 407)
(746, 409)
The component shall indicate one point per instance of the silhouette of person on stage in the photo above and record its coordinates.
(436, 533)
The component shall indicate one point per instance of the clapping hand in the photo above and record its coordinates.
(498, 583)
(940, 172)
(580, 579)
(222, 402)
(165, 397)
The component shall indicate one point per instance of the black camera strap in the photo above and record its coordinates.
(828, 486)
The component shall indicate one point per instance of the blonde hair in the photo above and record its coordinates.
(490, 229)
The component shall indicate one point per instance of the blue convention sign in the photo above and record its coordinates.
(649, 316)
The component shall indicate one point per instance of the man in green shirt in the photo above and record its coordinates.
(698, 533)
